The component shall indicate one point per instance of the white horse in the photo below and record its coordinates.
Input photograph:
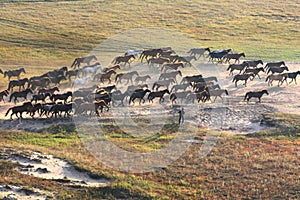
(133, 52)
(80, 82)
(90, 70)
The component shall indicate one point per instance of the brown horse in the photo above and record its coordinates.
(233, 56)
(158, 61)
(11, 73)
(105, 76)
(238, 67)
(258, 95)
(18, 83)
(162, 83)
(128, 76)
(293, 76)
(123, 59)
(142, 79)
(254, 63)
(50, 90)
(255, 71)
(87, 60)
(22, 94)
(242, 77)
(115, 67)
(279, 70)
(278, 77)
(160, 94)
(152, 53)
(198, 51)
(274, 64)
(217, 93)
(171, 66)
(18, 109)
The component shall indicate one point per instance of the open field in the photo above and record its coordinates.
(256, 155)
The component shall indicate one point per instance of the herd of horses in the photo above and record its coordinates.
(47, 98)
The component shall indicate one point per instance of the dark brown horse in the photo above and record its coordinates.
(142, 79)
(217, 93)
(17, 83)
(171, 66)
(233, 56)
(22, 94)
(138, 94)
(254, 63)
(18, 110)
(152, 53)
(255, 71)
(115, 67)
(50, 90)
(276, 77)
(105, 76)
(160, 94)
(258, 95)
(279, 70)
(293, 76)
(127, 76)
(274, 64)
(238, 67)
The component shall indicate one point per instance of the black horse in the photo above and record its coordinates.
(20, 83)
(22, 94)
(258, 95)
(218, 54)
(138, 94)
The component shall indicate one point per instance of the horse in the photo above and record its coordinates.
(190, 79)
(178, 95)
(128, 76)
(180, 87)
(90, 69)
(234, 56)
(255, 71)
(133, 52)
(253, 63)
(64, 97)
(22, 94)
(258, 95)
(58, 109)
(40, 97)
(100, 104)
(185, 59)
(57, 80)
(274, 64)
(170, 75)
(107, 89)
(200, 96)
(115, 67)
(293, 76)
(82, 81)
(123, 59)
(87, 60)
(198, 51)
(1, 72)
(119, 96)
(11, 73)
(105, 76)
(160, 94)
(142, 79)
(71, 73)
(50, 90)
(3, 94)
(217, 93)
(18, 109)
(277, 69)
(171, 66)
(158, 61)
(20, 83)
(39, 83)
(242, 77)
(138, 94)
(150, 53)
(278, 77)
(160, 83)
(218, 54)
(239, 67)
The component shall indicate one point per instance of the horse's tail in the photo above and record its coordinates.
(246, 95)
(8, 111)
(226, 92)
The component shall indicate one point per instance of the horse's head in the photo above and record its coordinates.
(5, 73)
(207, 49)
(23, 70)
(94, 57)
(1, 72)
(298, 72)
(286, 68)
(260, 62)
(243, 54)
(261, 69)
(147, 90)
(56, 89)
(179, 72)
(167, 91)
(283, 63)
(265, 91)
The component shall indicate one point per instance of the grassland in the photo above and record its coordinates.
(51, 33)
(261, 166)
